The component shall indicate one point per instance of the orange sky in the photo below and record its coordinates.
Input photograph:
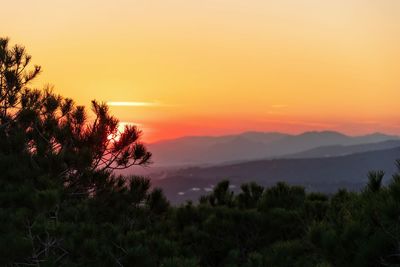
(220, 66)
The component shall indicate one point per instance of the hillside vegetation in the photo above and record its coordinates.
(326, 175)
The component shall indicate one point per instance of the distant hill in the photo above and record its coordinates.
(250, 146)
(316, 174)
(341, 150)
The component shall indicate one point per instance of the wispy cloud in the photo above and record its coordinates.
(132, 104)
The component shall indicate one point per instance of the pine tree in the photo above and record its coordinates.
(51, 156)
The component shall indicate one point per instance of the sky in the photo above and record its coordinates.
(213, 67)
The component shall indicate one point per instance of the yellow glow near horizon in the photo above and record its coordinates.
(220, 66)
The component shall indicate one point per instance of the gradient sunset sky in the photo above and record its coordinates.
(211, 67)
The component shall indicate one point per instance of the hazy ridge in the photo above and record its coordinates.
(250, 146)
(316, 174)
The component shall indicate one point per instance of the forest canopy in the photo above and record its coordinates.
(61, 203)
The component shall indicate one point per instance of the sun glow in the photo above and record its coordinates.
(114, 137)
(120, 129)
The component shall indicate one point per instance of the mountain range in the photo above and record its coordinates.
(257, 145)
(188, 167)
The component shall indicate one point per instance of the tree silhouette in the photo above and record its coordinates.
(375, 180)
(56, 133)
(14, 76)
(250, 195)
(51, 155)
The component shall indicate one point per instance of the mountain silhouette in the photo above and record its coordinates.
(250, 146)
